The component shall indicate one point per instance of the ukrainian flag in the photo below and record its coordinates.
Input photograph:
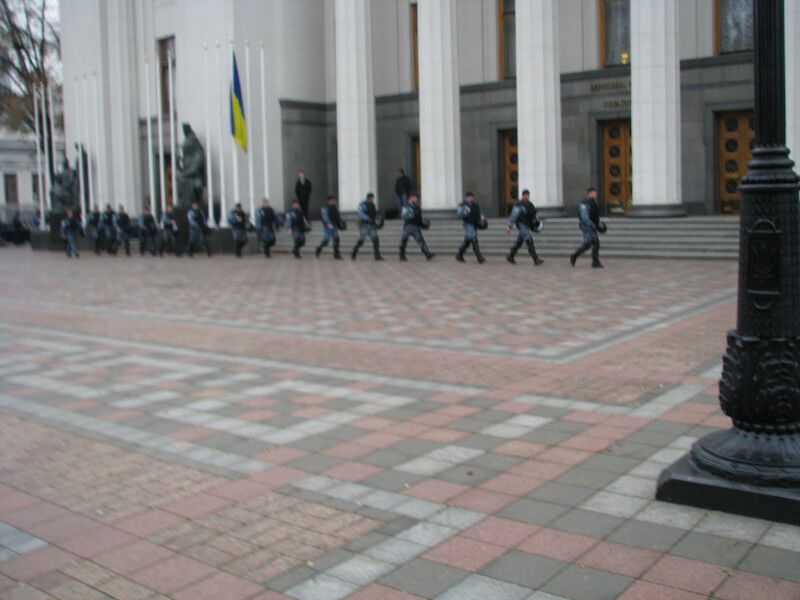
(238, 123)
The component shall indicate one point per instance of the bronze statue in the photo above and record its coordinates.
(65, 190)
(192, 169)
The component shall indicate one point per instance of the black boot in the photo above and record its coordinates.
(532, 251)
(461, 249)
(403, 251)
(336, 254)
(477, 249)
(572, 259)
(354, 252)
(376, 250)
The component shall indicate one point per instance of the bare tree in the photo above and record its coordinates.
(30, 55)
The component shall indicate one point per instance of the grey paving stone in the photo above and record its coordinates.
(417, 508)
(360, 569)
(316, 443)
(478, 587)
(481, 442)
(316, 463)
(480, 402)
(469, 424)
(398, 525)
(345, 433)
(533, 511)
(589, 523)
(385, 458)
(647, 535)
(582, 583)
(393, 481)
(548, 438)
(427, 534)
(712, 548)
(402, 414)
(630, 449)
(283, 582)
(491, 416)
(457, 518)
(772, 562)
(467, 475)
(366, 541)
(495, 462)
(614, 504)
(733, 526)
(612, 464)
(424, 578)
(653, 439)
(674, 429)
(376, 514)
(523, 569)
(396, 551)
(6, 554)
(321, 563)
(562, 494)
(582, 476)
(322, 587)
(573, 427)
(415, 447)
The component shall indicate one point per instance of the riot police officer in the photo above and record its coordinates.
(108, 223)
(523, 216)
(169, 232)
(413, 223)
(197, 229)
(368, 224)
(470, 214)
(94, 222)
(590, 225)
(238, 220)
(266, 225)
(331, 224)
(298, 226)
(70, 230)
(122, 226)
(148, 231)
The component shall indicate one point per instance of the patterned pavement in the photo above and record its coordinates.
(318, 430)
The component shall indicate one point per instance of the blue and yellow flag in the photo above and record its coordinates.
(238, 123)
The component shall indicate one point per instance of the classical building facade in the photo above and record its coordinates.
(649, 100)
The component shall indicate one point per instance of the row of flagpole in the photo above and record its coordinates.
(157, 146)
(43, 105)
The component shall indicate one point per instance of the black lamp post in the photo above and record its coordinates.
(754, 467)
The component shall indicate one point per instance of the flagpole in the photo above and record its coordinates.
(149, 145)
(173, 156)
(234, 157)
(39, 178)
(209, 167)
(264, 125)
(101, 180)
(46, 177)
(223, 220)
(79, 161)
(251, 187)
(50, 148)
(89, 167)
(160, 125)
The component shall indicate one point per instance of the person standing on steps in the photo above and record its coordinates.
(302, 191)
(413, 224)
(473, 219)
(590, 225)
(297, 225)
(523, 217)
(402, 189)
(331, 224)
(368, 224)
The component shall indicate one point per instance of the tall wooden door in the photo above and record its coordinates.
(417, 175)
(617, 166)
(170, 198)
(735, 139)
(510, 170)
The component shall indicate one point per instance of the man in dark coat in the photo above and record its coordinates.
(402, 189)
(589, 224)
(302, 190)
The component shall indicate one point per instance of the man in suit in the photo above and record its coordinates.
(302, 190)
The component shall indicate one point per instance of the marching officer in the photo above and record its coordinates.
(94, 222)
(122, 224)
(413, 223)
(70, 230)
(331, 224)
(108, 224)
(148, 232)
(238, 220)
(197, 229)
(298, 226)
(523, 216)
(169, 232)
(266, 224)
(590, 225)
(368, 225)
(470, 214)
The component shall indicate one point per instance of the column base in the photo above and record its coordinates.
(651, 211)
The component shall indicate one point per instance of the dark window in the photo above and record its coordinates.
(615, 32)
(735, 25)
(10, 185)
(35, 187)
(166, 52)
(508, 39)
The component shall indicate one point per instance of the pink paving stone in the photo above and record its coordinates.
(97, 541)
(558, 544)
(435, 420)
(564, 456)
(14, 500)
(643, 590)
(509, 483)
(502, 394)
(458, 410)
(585, 442)
(537, 469)
(63, 527)
(374, 423)
(147, 523)
(348, 451)
(79, 405)
(619, 558)
(627, 422)
(748, 586)
(118, 416)
(311, 400)
(380, 440)
(244, 368)
(288, 374)
(513, 407)
(447, 398)
(281, 455)
(132, 557)
(690, 575)
(686, 418)
(312, 412)
(218, 587)
(36, 563)
(353, 471)
(172, 574)
(257, 402)
(364, 385)
(278, 477)
(465, 553)
(23, 392)
(237, 491)
(482, 500)
(585, 416)
(606, 433)
(719, 421)
(379, 592)
(441, 435)
(257, 415)
(521, 449)
(408, 429)
(501, 532)
(196, 506)
(32, 515)
(187, 434)
(435, 490)
(697, 407)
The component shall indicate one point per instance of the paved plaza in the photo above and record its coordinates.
(313, 430)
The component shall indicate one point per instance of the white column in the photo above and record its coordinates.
(539, 103)
(355, 103)
(792, 33)
(439, 104)
(655, 108)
